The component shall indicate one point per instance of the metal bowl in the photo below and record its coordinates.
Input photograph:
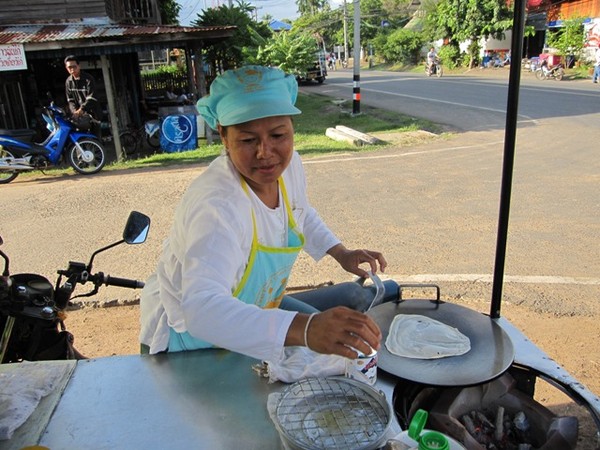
(332, 413)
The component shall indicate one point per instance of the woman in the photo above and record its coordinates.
(223, 271)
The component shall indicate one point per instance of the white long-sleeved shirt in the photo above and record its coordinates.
(204, 258)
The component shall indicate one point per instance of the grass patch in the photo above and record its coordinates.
(321, 112)
(318, 113)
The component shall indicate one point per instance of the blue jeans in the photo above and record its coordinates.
(291, 304)
(596, 73)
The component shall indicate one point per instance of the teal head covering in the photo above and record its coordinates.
(249, 93)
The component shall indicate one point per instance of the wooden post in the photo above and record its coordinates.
(110, 97)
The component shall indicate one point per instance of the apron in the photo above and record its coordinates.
(265, 277)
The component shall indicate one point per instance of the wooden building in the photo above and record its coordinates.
(545, 15)
(107, 36)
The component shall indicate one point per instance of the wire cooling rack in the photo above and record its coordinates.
(332, 413)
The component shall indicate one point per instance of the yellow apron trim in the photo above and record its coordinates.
(257, 245)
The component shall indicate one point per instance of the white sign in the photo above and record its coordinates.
(12, 57)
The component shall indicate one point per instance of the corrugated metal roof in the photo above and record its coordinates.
(40, 33)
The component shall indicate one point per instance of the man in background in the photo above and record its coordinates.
(80, 88)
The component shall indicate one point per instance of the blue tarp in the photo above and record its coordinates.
(277, 25)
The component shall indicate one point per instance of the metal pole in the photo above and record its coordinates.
(512, 109)
(356, 76)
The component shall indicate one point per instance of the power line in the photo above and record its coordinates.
(192, 10)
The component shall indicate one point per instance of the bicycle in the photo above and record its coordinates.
(132, 139)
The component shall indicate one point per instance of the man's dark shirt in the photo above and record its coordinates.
(81, 93)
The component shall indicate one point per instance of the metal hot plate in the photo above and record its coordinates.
(491, 353)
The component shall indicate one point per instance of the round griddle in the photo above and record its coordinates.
(491, 353)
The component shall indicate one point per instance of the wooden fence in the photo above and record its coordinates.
(156, 84)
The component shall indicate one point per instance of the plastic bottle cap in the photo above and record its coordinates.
(431, 440)
(417, 424)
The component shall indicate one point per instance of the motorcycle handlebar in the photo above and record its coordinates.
(120, 282)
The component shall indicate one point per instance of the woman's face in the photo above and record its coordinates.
(260, 149)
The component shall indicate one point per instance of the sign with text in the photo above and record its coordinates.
(12, 57)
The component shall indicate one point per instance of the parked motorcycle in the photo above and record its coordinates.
(544, 71)
(83, 150)
(435, 69)
(32, 310)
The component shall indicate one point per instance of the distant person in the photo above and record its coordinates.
(597, 67)
(170, 94)
(485, 62)
(496, 61)
(80, 90)
(180, 97)
(431, 57)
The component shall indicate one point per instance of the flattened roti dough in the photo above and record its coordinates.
(419, 337)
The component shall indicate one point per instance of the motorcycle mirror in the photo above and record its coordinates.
(136, 229)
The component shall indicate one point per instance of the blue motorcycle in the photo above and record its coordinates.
(83, 151)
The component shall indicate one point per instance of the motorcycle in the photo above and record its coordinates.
(83, 150)
(32, 311)
(434, 69)
(544, 71)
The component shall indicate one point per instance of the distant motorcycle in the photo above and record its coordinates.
(434, 69)
(83, 150)
(544, 71)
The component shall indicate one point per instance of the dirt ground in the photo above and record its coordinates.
(91, 217)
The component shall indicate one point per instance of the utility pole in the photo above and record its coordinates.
(345, 32)
(356, 75)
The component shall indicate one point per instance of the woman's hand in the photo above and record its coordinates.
(350, 260)
(338, 331)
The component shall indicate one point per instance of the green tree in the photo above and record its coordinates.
(229, 53)
(372, 15)
(568, 39)
(310, 7)
(400, 45)
(458, 21)
(169, 11)
(321, 26)
(292, 53)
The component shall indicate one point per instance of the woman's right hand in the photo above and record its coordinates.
(338, 331)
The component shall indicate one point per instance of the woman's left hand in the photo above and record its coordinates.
(350, 260)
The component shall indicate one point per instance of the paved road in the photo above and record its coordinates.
(475, 101)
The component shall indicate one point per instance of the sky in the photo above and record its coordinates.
(278, 9)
